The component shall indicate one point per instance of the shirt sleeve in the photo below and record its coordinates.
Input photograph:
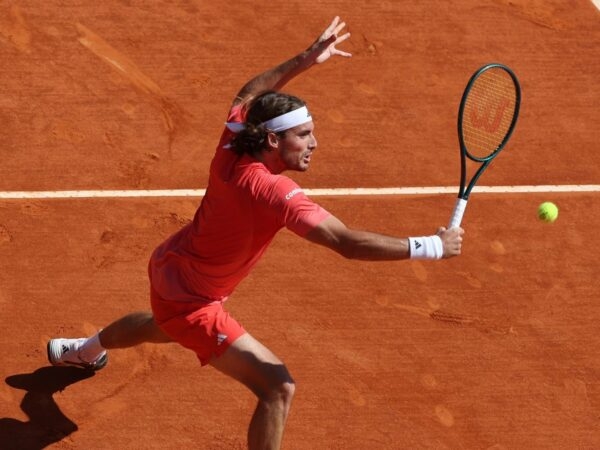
(298, 213)
(235, 118)
(234, 123)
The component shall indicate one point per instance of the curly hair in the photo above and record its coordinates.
(269, 104)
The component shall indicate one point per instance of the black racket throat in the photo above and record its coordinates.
(464, 188)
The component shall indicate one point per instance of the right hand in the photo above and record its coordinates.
(452, 240)
(325, 46)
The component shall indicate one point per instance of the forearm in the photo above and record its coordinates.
(317, 53)
(278, 76)
(368, 246)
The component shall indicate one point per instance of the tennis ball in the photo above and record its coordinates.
(547, 212)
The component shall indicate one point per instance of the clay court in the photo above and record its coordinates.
(496, 349)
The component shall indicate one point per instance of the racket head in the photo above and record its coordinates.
(488, 111)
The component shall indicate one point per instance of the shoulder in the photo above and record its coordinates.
(287, 193)
(259, 174)
(270, 187)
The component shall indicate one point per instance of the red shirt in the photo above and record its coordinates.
(244, 207)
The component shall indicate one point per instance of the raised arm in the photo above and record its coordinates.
(319, 52)
(368, 246)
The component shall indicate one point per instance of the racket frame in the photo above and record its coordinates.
(464, 188)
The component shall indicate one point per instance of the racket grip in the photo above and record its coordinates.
(459, 211)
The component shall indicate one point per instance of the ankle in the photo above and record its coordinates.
(91, 349)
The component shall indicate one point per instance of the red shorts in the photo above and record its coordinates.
(205, 328)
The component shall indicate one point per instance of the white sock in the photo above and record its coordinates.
(91, 348)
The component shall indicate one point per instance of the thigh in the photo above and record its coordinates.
(251, 363)
(205, 328)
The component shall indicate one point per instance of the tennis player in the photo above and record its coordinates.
(247, 202)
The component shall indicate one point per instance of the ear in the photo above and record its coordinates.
(272, 140)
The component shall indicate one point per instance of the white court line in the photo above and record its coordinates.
(16, 195)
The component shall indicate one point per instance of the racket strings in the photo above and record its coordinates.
(488, 112)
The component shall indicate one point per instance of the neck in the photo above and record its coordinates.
(271, 160)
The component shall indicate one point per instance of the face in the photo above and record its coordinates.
(293, 150)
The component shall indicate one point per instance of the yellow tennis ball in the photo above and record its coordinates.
(547, 212)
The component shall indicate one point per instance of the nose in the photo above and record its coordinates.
(313, 142)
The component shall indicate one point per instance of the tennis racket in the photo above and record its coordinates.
(487, 116)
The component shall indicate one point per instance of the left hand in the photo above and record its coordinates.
(325, 46)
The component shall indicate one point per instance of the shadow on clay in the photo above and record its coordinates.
(47, 424)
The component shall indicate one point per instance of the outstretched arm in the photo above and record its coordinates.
(319, 52)
(365, 245)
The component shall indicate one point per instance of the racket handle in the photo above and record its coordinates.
(459, 211)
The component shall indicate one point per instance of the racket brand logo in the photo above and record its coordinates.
(484, 120)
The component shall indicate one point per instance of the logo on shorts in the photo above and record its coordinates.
(221, 338)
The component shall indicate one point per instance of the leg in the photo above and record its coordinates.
(133, 329)
(254, 365)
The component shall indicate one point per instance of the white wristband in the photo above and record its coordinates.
(426, 247)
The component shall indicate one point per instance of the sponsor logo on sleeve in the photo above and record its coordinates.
(292, 193)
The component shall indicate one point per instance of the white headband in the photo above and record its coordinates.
(280, 123)
(288, 120)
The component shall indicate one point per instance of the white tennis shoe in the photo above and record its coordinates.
(65, 352)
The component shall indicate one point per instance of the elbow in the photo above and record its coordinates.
(346, 254)
(350, 246)
(347, 251)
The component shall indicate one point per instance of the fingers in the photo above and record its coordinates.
(452, 240)
(339, 27)
(342, 38)
(334, 29)
(334, 24)
(339, 40)
(341, 53)
(458, 230)
(331, 29)
(325, 46)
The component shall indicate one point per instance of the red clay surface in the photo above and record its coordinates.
(497, 349)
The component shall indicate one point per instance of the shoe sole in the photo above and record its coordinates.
(85, 366)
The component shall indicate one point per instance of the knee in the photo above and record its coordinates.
(281, 391)
(141, 317)
(287, 390)
(282, 395)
